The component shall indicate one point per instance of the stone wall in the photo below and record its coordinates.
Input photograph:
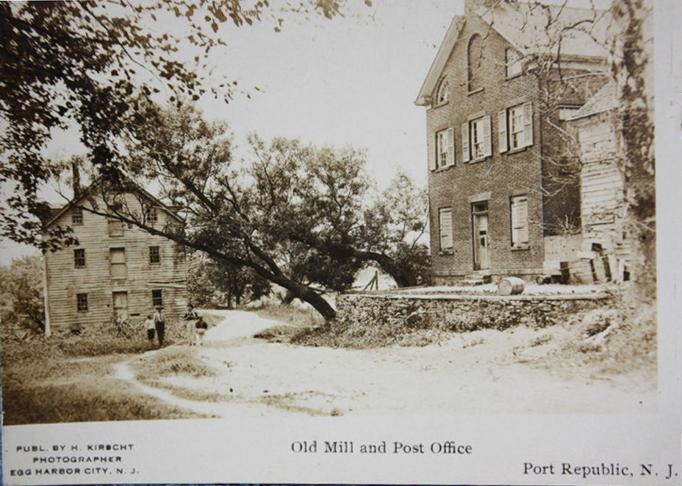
(461, 312)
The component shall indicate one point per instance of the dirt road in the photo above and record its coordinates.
(479, 372)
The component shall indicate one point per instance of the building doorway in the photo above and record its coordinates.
(120, 305)
(479, 218)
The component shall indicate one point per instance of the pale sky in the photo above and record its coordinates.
(345, 81)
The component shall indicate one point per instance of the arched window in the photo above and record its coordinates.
(474, 60)
(443, 93)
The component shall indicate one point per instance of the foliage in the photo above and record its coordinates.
(292, 214)
(21, 289)
(214, 283)
(89, 65)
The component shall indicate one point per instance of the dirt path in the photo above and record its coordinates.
(471, 373)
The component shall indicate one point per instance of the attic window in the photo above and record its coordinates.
(77, 216)
(474, 62)
(152, 217)
(512, 63)
(443, 94)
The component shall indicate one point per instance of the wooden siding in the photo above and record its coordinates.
(64, 281)
(601, 182)
(602, 194)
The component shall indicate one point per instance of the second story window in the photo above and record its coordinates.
(476, 139)
(515, 127)
(154, 254)
(77, 217)
(119, 267)
(79, 258)
(512, 63)
(445, 148)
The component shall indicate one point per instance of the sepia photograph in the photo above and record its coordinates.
(216, 209)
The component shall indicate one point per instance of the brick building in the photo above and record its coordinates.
(503, 183)
(115, 269)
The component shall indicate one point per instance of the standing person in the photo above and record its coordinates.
(151, 328)
(201, 327)
(159, 324)
(191, 316)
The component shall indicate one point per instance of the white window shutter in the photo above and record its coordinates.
(433, 154)
(451, 146)
(445, 230)
(528, 124)
(466, 156)
(487, 137)
(502, 131)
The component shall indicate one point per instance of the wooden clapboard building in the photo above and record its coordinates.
(602, 186)
(115, 269)
(502, 198)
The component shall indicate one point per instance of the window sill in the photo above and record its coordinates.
(446, 252)
(480, 159)
(513, 76)
(474, 91)
(517, 150)
(520, 248)
(443, 169)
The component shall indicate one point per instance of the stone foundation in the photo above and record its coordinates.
(461, 312)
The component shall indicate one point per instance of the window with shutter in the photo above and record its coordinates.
(519, 127)
(516, 135)
(445, 154)
(502, 131)
(528, 124)
(519, 222)
(479, 135)
(445, 229)
(466, 154)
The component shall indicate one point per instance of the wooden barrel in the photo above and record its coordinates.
(510, 286)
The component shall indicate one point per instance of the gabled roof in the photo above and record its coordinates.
(446, 46)
(531, 29)
(605, 99)
(56, 213)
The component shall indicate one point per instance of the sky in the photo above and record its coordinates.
(349, 81)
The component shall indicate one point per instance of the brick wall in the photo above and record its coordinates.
(502, 175)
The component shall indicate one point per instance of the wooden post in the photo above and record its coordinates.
(46, 301)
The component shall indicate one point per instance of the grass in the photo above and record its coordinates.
(68, 379)
(630, 344)
(171, 362)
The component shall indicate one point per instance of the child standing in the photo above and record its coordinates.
(201, 327)
(190, 317)
(149, 323)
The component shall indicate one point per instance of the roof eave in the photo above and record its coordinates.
(442, 55)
